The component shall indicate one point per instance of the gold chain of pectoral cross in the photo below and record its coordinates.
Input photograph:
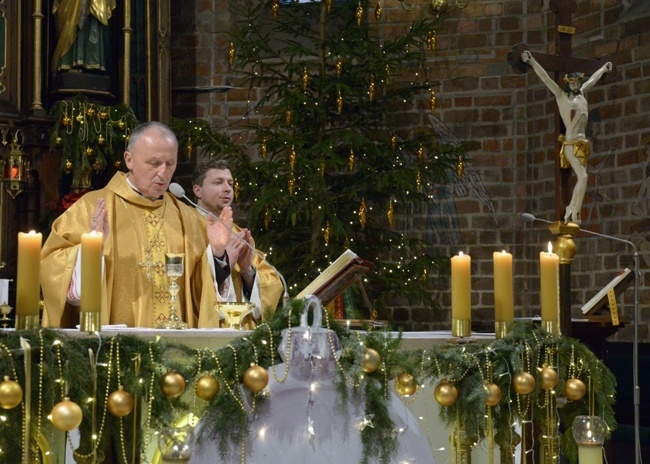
(148, 245)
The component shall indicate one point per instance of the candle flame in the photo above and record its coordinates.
(503, 252)
(32, 232)
(460, 253)
(550, 248)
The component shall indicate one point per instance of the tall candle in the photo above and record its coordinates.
(27, 274)
(503, 297)
(91, 271)
(461, 297)
(590, 454)
(549, 292)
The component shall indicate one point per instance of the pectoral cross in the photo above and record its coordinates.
(148, 263)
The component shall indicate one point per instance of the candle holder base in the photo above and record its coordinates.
(27, 322)
(174, 323)
(502, 329)
(461, 328)
(90, 321)
(552, 327)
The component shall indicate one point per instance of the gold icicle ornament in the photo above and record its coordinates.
(292, 158)
(339, 66)
(305, 79)
(292, 184)
(321, 169)
(328, 5)
(432, 40)
(393, 142)
(339, 101)
(267, 218)
(418, 182)
(236, 189)
(363, 214)
(327, 233)
(371, 89)
(420, 153)
(387, 74)
(390, 214)
(460, 167)
(275, 6)
(379, 11)
(288, 117)
(359, 13)
(231, 53)
(432, 101)
(351, 160)
(188, 148)
(264, 149)
(425, 276)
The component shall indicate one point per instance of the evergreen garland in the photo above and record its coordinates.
(61, 363)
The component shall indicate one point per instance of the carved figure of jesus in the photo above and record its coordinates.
(574, 112)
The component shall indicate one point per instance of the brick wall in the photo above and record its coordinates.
(510, 120)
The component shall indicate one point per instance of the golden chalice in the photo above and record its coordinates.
(233, 312)
(174, 268)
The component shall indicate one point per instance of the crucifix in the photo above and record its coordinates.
(568, 71)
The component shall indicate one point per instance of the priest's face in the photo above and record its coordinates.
(216, 192)
(151, 161)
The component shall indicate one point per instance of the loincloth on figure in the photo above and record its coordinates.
(581, 151)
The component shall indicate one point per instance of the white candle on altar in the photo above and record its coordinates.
(590, 454)
(91, 271)
(549, 290)
(503, 298)
(28, 281)
(461, 295)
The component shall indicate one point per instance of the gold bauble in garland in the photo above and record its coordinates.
(231, 53)
(58, 141)
(460, 167)
(363, 214)
(378, 11)
(305, 79)
(207, 387)
(405, 384)
(359, 14)
(121, 124)
(438, 7)
(91, 112)
(548, 377)
(575, 389)
(493, 394)
(327, 233)
(390, 214)
(339, 66)
(118, 164)
(432, 101)
(101, 140)
(256, 378)
(275, 6)
(393, 142)
(89, 151)
(66, 121)
(120, 402)
(445, 393)
(68, 165)
(339, 101)
(523, 383)
(172, 384)
(66, 415)
(371, 361)
(371, 89)
(288, 117)
(432, 40)
(264, 149)
(102, 115)
(80, 118)
(351, 160)
(11, 393)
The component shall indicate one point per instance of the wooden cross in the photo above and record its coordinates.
(561, 64)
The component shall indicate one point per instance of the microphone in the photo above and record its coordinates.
(635, 345)
(179, 192)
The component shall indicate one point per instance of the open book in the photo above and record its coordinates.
(337, 277)
(618, 284)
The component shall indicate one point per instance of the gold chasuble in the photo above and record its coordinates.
(134, 286)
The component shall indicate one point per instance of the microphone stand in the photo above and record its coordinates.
(635, 344)
(179, 192)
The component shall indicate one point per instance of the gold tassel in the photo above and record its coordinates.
(351, 160)
(363, 214)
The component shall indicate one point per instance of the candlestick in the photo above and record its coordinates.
(91, 281)
(461, 297)
(28, 280)
(549, 292)
(503, 296)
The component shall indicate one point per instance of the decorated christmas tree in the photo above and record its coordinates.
(340, 158)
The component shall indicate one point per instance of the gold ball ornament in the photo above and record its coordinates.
(172, 384)
(80, 118)
(371, 361)
(102, 115)
(575, 389)
(493, 394)
(405, 384)
(445, 393)
(207, 387)
(68, 165)
(548, 378)
(121, 124)
(11, 393)
(58, 141)
(66, 415)
(120, 402)
(90, 112)
(256, 378)
(66, 120)
(438, 7)
(90, 151)
(523, 383)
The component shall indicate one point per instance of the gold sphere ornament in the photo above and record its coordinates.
(172, 384)
(66, 415)
(256, 378)
(523, 383)
(121, 124)
(371, 361)
(575, 389)
(66, 120)
(11, 393)
(493, 394)
(102, 115)
(120, 402)
(89, 151)
(90, 112)
(68, 165)
(405, 384)
(445, 393)
(207, 387)
(438, 7)
(58, 141)
(79, 118)
(548, 378)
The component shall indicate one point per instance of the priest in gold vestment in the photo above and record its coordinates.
(140, 222)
